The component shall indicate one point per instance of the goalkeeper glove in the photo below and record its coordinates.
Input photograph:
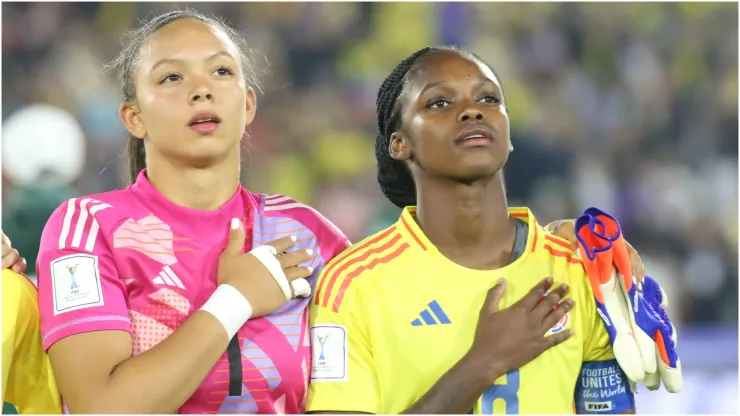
(642, 337)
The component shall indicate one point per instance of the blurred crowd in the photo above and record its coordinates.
(630, 107)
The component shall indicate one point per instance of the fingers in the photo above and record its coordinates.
(295, 258)
(6, 245)
(567, 230)
(556, 314)
(9, 258)
(553, 226)
(300, 288)
(550, 301)
(531, 299)
(494, 296)
(283, 244)
(638, 269)
(293, 273)
(19, 266)
(236, 237)
(557, 339)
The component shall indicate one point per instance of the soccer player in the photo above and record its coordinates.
(406, 320)
(28, 383)
(143, 310)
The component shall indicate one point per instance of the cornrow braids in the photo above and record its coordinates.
(394, 176)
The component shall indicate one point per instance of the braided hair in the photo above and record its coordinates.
(394, 176)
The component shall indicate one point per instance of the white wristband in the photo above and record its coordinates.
(266, 256)
(230, 307)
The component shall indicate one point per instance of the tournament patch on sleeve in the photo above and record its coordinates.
(603, 388)
(76, 283)
(328, 353)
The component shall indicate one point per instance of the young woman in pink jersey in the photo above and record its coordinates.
(149, 301)
(145, 293)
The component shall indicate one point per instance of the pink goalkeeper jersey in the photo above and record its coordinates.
(131, 260)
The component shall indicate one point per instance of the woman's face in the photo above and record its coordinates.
(192, 103)
(454, 122)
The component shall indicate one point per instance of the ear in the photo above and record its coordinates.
(251, 107)
(399, 147)
(129, 114)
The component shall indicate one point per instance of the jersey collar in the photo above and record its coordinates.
(416, 237)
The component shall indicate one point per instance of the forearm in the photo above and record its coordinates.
(456, 392)
(162, 379)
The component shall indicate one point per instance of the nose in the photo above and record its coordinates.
(470, 113)
(201, 93)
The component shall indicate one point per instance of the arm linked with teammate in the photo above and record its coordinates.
(491, 355)
(97, 373)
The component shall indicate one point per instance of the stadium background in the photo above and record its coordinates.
(630, 107)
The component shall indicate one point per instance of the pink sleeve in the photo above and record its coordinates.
(79, 287)
(330, 239)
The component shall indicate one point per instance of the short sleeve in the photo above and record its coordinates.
(28, 382)
(343, 375)
(79, 286)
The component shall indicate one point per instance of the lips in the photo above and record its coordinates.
(476, 136)
(204, 117)
(204, 123)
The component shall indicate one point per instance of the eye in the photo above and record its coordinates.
(437, 103)
(223, 71)
(490, 99)
(169, 78)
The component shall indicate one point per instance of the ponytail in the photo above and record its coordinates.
(136, 157)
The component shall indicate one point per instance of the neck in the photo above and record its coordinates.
(468, 223)
(204, 188)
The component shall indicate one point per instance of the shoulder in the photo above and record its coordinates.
(17, 285)
(330, 239)
(78, 222)
(363, 263)
(565, 263)
(20, 294)
(559, 248)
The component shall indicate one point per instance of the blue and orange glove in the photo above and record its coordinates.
(642, 337)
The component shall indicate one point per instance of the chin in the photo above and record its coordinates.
(207, 151)
(480, 167)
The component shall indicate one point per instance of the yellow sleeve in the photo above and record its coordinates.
(28, 382)
(343, 373)
(596, 345)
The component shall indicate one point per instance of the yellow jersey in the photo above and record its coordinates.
(28, 382)
(391, 315)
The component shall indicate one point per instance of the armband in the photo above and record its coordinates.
(603, 388)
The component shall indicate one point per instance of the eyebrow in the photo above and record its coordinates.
(175, 61)
(429, 86)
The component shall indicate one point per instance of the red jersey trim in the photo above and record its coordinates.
(329, 275)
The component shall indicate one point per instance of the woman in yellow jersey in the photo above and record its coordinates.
(28, 383)
(406, 320)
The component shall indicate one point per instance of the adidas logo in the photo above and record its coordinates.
(428, 319)
(168, 278)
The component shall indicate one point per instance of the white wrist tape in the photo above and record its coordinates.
(267, 256)
(301, 288)
(230, 307)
